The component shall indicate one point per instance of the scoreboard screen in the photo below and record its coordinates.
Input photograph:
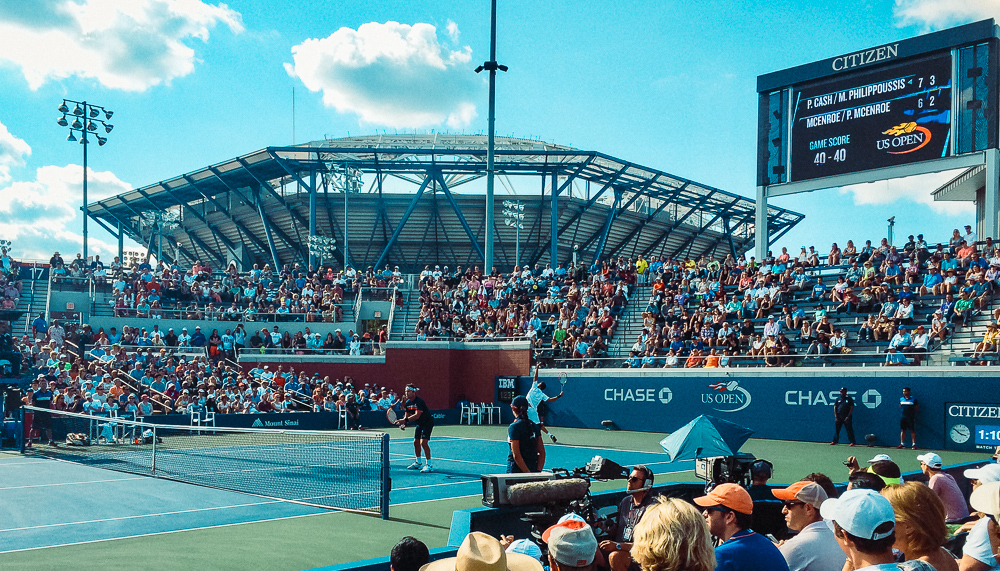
(886, 117)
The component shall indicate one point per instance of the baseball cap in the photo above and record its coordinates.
(732, 496)
(986, 499)
(520, 401)
(571, 543)
(887, 470)
(862, 513)
(571, 516)
(525, 547)
(986, 473)
(931, 459)
(880, 458)
(803, 491)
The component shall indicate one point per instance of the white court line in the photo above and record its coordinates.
(168, 532)
(75, 483)
(560, 445)
(122, 518)
(434, 486)
(436, 458)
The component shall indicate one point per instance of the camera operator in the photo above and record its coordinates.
(630, 510)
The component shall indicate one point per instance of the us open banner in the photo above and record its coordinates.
(779, 407)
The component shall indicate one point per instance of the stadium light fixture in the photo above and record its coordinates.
(491, 66)
(91, 114)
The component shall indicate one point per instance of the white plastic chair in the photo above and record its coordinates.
(488, 409)
(202, 417)
(465, 413)
(342, 419)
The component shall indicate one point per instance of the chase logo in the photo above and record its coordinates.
(728, 397)
(906, 138)
(257, 424)
(871, 398)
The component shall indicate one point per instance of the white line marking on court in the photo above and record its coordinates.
(438, 458)
(434, 486)
(76, 483)
(63, 524)
(170, 532)
(560, 445)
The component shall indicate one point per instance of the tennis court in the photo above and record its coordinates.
(69, 503)
(58, 514)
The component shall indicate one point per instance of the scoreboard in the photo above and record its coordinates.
(913, 106)
(886, 117)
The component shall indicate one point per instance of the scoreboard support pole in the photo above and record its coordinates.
(760, 225)
(989, 225)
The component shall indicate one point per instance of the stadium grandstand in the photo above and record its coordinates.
(415, 200)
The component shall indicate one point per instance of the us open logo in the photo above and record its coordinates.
(905, 138)
(728, 397)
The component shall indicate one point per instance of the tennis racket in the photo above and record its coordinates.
(563, 377)
(393, 418)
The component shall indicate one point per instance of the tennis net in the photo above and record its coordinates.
(340, 470)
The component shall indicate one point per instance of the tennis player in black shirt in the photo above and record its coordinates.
(418, 415)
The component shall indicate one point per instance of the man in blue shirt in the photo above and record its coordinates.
(728, 509)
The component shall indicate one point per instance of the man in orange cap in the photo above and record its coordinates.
(814, 548)
(727, 510)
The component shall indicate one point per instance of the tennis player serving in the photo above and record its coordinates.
(417, 413)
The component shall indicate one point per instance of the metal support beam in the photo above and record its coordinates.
(554, 222)
(266, 187)
(607, 226)
(402, 222)
(729, 236)
(226, 211)
(312, 215)
(267, 232)
(458, 212)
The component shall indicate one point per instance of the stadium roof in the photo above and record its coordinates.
(414, 200)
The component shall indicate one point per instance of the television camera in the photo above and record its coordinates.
(551, 495)
(717, 470)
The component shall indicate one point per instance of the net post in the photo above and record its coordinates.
(385, 476)
(19, 433)
(152, 466)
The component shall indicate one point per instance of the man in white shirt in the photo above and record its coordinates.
(814, 548)
(970, 236)
(772, 328)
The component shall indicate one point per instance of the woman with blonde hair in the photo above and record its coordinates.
(673, 536)
(920, 525)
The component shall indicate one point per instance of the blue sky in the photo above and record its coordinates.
(669, 84)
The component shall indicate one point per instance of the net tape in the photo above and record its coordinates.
(341, 470)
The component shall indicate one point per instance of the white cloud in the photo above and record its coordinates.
(44, 215)
(131, 45)
(915, 189)
(12, 152)
(391, 74)
(452, 29)
(938, 14)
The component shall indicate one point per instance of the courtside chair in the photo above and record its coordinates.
(489, 409)
(201, 417)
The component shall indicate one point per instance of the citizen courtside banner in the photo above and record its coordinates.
(972, 427)
(779, 407)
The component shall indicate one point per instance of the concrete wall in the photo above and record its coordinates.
(445, 371)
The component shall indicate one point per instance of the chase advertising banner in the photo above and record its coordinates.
(787, 408)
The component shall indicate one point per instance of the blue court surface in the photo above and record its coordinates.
(49, 502)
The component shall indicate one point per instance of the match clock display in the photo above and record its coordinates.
(887, 117)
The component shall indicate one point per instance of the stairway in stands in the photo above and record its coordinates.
(33, 300)
(404, 318)
(630, 321)
(965, 339)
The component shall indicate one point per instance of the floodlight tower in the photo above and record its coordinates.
(90, 114)
(491, 66)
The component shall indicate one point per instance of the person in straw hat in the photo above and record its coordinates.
(482, 552)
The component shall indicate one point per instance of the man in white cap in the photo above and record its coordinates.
(572, 546)
(983, 541)
(944, 486)
(481, 552)
(814, 548)
(864, 525)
